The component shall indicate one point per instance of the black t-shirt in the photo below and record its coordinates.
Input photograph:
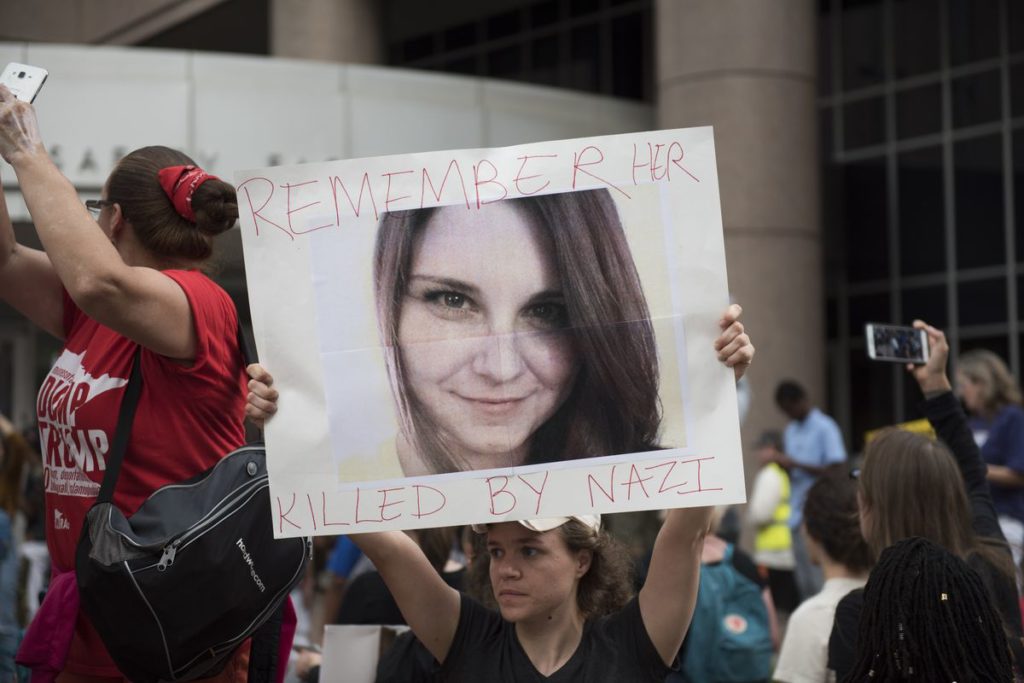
(615, 648)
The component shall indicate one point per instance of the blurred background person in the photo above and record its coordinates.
(835, 544)
(14, 456)
(734, 631)
(812, 441)
(768, 512)
(992, 398)
(912, 486)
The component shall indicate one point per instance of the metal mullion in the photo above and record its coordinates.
(1008, 198)
(949, 201)
(843, 410)
(892, 188)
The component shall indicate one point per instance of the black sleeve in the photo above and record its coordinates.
(842, 644)
(746, 567)
(950, 423)
(626, 629)
(478, 631)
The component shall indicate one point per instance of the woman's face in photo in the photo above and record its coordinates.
(482, 331)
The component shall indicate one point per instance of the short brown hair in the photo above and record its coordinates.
(605, 588)
(134, 185)
(831, 519)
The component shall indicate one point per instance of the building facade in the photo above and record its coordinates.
(868, 149)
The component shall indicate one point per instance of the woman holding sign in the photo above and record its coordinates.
(564, 606)
(516, 333)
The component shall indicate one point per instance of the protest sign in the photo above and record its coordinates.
(486, 335)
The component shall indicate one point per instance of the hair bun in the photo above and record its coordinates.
(216, 207)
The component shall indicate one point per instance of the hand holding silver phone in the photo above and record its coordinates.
(23, 80)
(896, 343)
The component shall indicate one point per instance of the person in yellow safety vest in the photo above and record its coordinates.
(768, 513)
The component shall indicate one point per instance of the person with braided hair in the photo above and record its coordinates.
(121, 283)
(912, 486)
(927, 616)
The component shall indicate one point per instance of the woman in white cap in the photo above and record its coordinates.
(564, 611)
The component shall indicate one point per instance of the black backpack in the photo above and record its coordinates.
(174, 589)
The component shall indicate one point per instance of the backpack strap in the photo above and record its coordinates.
(263, 649)
(125, 417)
(727, 556)
(130, 402)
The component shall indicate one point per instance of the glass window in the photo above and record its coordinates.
(463, 35)
(825, 48)
(978, 181)
(865, 220)
(998, 345)
(506, 62)
(417, 48)
(862, 60)
(578, 8)
(504, 24)
(544, 13)
(916, 25)
(1016, 27)
(628, 59)
(926, 303)
(976, 99)
(825, 132)
(922, 213)
(973, 30)
(1018, 192)
(831, 318)
(864, 123)
(466, 65)
(871, 395)
(981, 302)
(919, 111)
(1017, 89)
(867, 308)
(585, 62)
(544, 61)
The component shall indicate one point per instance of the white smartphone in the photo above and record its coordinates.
(23, 80)
(896, 343)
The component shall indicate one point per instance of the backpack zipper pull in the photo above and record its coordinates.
(167, 558)
(309, 544)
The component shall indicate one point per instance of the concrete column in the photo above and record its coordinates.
(749, 69)
(328, 30)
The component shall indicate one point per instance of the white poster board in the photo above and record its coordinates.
(487, 335)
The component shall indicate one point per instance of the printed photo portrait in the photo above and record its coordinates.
(524, 333)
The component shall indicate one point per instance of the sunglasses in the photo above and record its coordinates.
(96, 205)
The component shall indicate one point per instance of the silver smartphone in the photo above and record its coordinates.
(23, 80)
(896, 343)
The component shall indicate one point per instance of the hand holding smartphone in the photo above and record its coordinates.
(23, 80)
(896, 343)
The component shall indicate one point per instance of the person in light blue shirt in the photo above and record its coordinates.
(812, 442)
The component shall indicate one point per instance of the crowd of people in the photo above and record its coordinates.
(902, 562)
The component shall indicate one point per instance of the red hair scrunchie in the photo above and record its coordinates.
(180, 183)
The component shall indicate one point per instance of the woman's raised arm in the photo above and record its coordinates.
(429, 605)
(669, 594)
(138, 302)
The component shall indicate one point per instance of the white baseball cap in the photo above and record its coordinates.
(542, 524)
